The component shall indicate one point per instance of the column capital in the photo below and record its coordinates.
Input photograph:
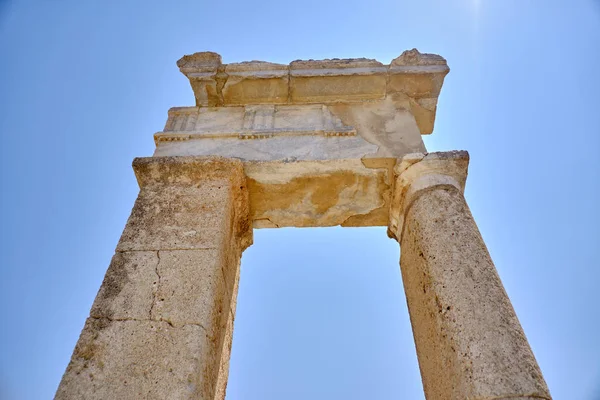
(192, 171)
(419, 172)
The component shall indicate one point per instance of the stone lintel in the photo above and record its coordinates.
(414, 76)
(418, 172)
(346, 192)
(192, 171)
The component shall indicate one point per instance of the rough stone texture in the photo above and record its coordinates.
(339, 123)
(161, 324)
(315, 81)
(469, 341)
(191, 286)
(255, 82)
(160, 219)
(206, 76)
(313, 143)
(318, 193)
(384, 128)
(129, 287)
(420, 171)
(316, 115)
(131, 359)
(352, 142)
(337, 80)
(221, 386)
(184, 173)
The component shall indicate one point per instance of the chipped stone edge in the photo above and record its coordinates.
(208, 67)
(416, 173)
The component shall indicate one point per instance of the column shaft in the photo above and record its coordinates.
(470, 344)
(161, 324)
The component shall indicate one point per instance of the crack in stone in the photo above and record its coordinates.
(387, 81)
(155, 289)
(266, 219)
(125, 319)
(220, 80)
(169, 249)
(289, 93)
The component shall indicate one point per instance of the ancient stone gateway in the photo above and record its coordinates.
(313, 143)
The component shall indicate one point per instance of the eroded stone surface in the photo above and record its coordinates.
(165, 218)
(304, 132)
(161, 324)
(422, 171)
(469, 342)
(129, 287)
(206, 76)
(132, 359)
(320, 193)
(255, 82)
(313, 143)
(190, 288)
(416, 75)
(337, 124)
(306, 184)
(223, 375)
(337, 80)
(298, 142)
(169, 213)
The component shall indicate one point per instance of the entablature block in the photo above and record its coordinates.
(318, 138)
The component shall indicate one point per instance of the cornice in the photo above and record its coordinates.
(413, 75)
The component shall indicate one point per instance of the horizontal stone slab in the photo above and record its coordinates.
(319, 193)
(187, 214)
(255, 82)
(375, 129)
(413, 74)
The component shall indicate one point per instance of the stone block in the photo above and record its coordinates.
(255, 82)
(179, 217)
(320, 193)
(202, 69)
(191, 288)
(127, 291)
(424, 112)
(140, 360)
(204, 200)
(337, 80)
(415, 84)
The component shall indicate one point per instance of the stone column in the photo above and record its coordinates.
(470, 344)
(161, 324)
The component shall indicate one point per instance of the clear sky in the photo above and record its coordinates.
(321, 314)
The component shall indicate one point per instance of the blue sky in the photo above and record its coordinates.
(321, 314)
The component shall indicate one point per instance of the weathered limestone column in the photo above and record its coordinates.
(160, 327)
(469, 342)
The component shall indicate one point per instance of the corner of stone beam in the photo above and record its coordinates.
(453, 156)
(415, 57)
(199, 60)
(186, 170)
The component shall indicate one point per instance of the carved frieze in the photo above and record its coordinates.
(252, 122)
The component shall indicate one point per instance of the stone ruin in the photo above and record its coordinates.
(309, 144)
